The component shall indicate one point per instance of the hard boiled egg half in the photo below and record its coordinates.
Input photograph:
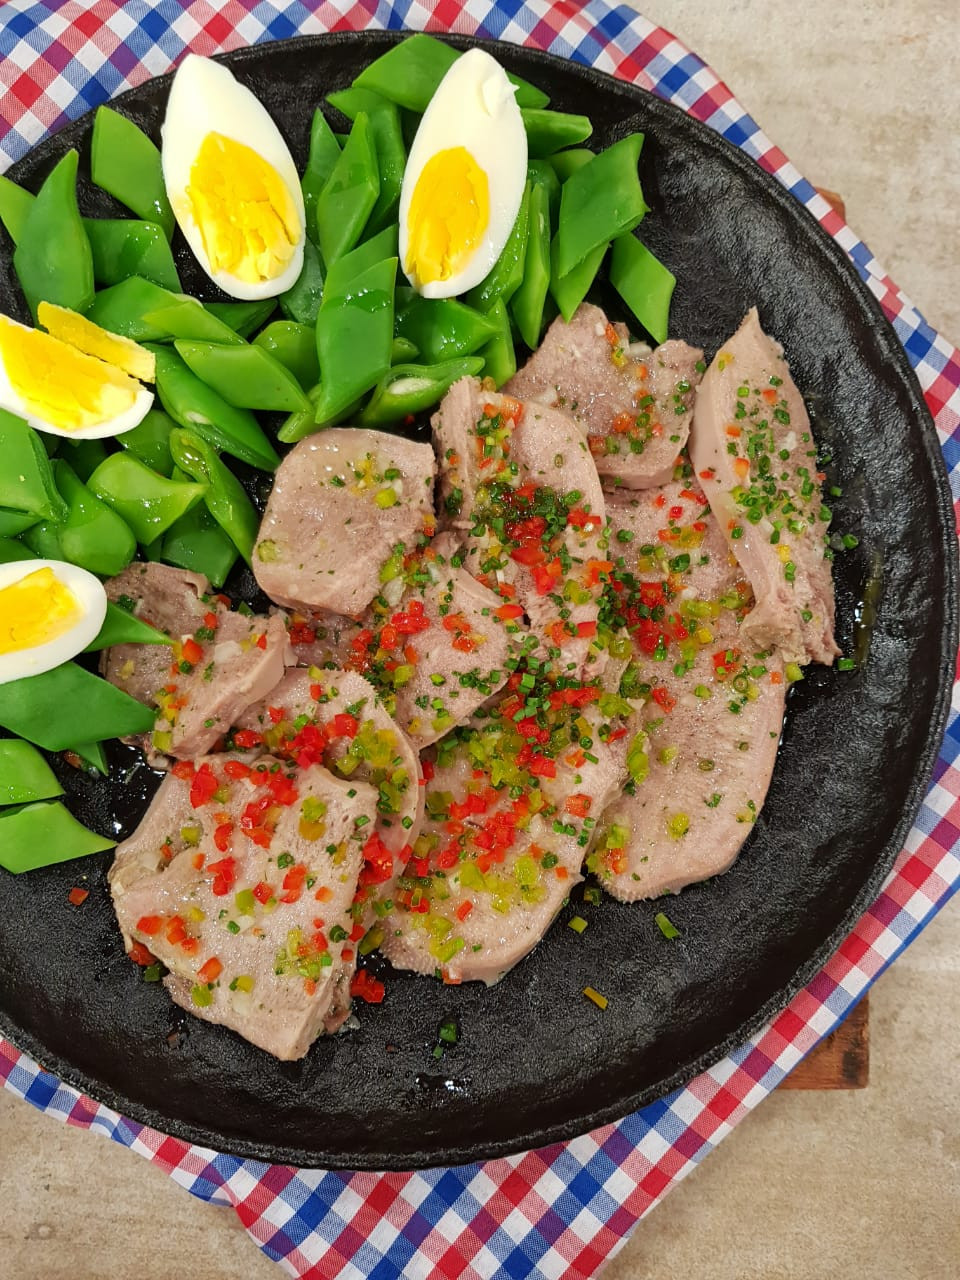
(49, 612)
(231, 182)
(76, 380)
(464, 179)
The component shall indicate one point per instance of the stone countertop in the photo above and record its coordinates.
(865, 99)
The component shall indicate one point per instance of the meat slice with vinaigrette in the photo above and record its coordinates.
(634, 404)
(220, 661)
(343, 503)
(710, 704)
(754, 453)
(240, 879)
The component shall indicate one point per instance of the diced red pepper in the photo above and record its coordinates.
(663, 698)
(184, 770)
(578, 806)
(236, 769)
(150, 925)
(261, 641)
(245, 739)
(210, 971)
(343, 725)
(367, 988)
(222, 835)
(463, 910)
(203, 787)
(224, 875)
(139, 954)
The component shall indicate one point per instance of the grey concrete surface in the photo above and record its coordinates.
(865, 98)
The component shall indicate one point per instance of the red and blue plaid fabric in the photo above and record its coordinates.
(564, 1210)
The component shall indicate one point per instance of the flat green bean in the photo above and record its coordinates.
(549, 131)
(15, 522)
(93, 536)
(355, 338)
(377, 249)
(122, 627)
(295, 346)
(506, 275)
(148, 502)
(224, 495)
(570, 290)
(602, 200)
(15, 205)
(499, 357)
(442, 328)
(52, 259)
(24, 774)
(187, 318)
(11, 551)
(247, 377)
(350, 193)
(644, 283)
(126, 163)
(403, 351)
(150, 441)
(196, 542)
(91, 753)
(121, 309)
(527, 303)
(84, 456)
(243, 317)
(387, 134)
(40, 835)
(301, 302)
(321, 160)
(410, 388)
(27, 483)
(68, 704)
(122, 247)
(566, 163)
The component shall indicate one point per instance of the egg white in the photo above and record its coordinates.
(205, 98)
(474, 107)
(13, 402)
(92, 598)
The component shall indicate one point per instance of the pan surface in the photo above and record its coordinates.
(535, 1061)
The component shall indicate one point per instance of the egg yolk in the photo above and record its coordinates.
(36, 610)
(78, 331)
(448, 216)
(243, 210)
(58, 383)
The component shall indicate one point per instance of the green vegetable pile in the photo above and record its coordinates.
(349, 344)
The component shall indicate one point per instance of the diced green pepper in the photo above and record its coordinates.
(247, 377)
(350, 194)
(507, 274)
(122, 247)
(549, 131)
(242, 317)
(528, 301)
(60, 707)
(295, 346)
(194, 405)
(600, 201)
(411, 388)
(387, 134)
(150, 441)
(26, 476)
(410, 72)
(570, 290)
(40, 835)
(126, 163)
(321, 159)
(24, 774)
(301, 302)
(147, 501)
(123, 307)
(355, 338)
(499, 357)
(121, 627)
(644, 283)
(224, 495)
(52, 259)
(442, 328)
(196, 542)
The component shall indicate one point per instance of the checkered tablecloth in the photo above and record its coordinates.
(563, 1210)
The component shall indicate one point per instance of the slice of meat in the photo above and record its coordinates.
(319, 638)
(633, 403)
(219, 664)
(227, 890)
(755, 455)
(338, 718)
(506, 831)
(520, 489)
(443, 651)
(710, 704)
(343, 503)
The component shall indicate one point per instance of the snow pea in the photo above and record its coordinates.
(55, 708)
(499, 357)
(355, 338)
(600, 201)
(122, 627)
(84, 456)
(442, 328)
(302, 423)
(11, 550)
(377, 249)
(410, 388)
(301, 302)
(403, 351)
(321, 159)
(43, 539)
(185, 317)
(15, 522)
(644, 283)
(349, 194)
(387, 136)
(15, 205)
(122, 309)
(196, 542)
(194, 405)
(247, 377)
(53, 260)
(26, 478)
(528, 301)
(570, 290)
(40, 835)
(93, 536)
(566, 163)
(507, 273)
(543, 172)
(243, 317)
(150, 441)
(122, 247)
(224, 495)
(91, 753)
(126, 163)
(24, 774)
(295, 346)
(409, 73)
(147, 501)
(549, 131)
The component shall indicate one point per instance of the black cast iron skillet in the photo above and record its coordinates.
(536, 1062)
